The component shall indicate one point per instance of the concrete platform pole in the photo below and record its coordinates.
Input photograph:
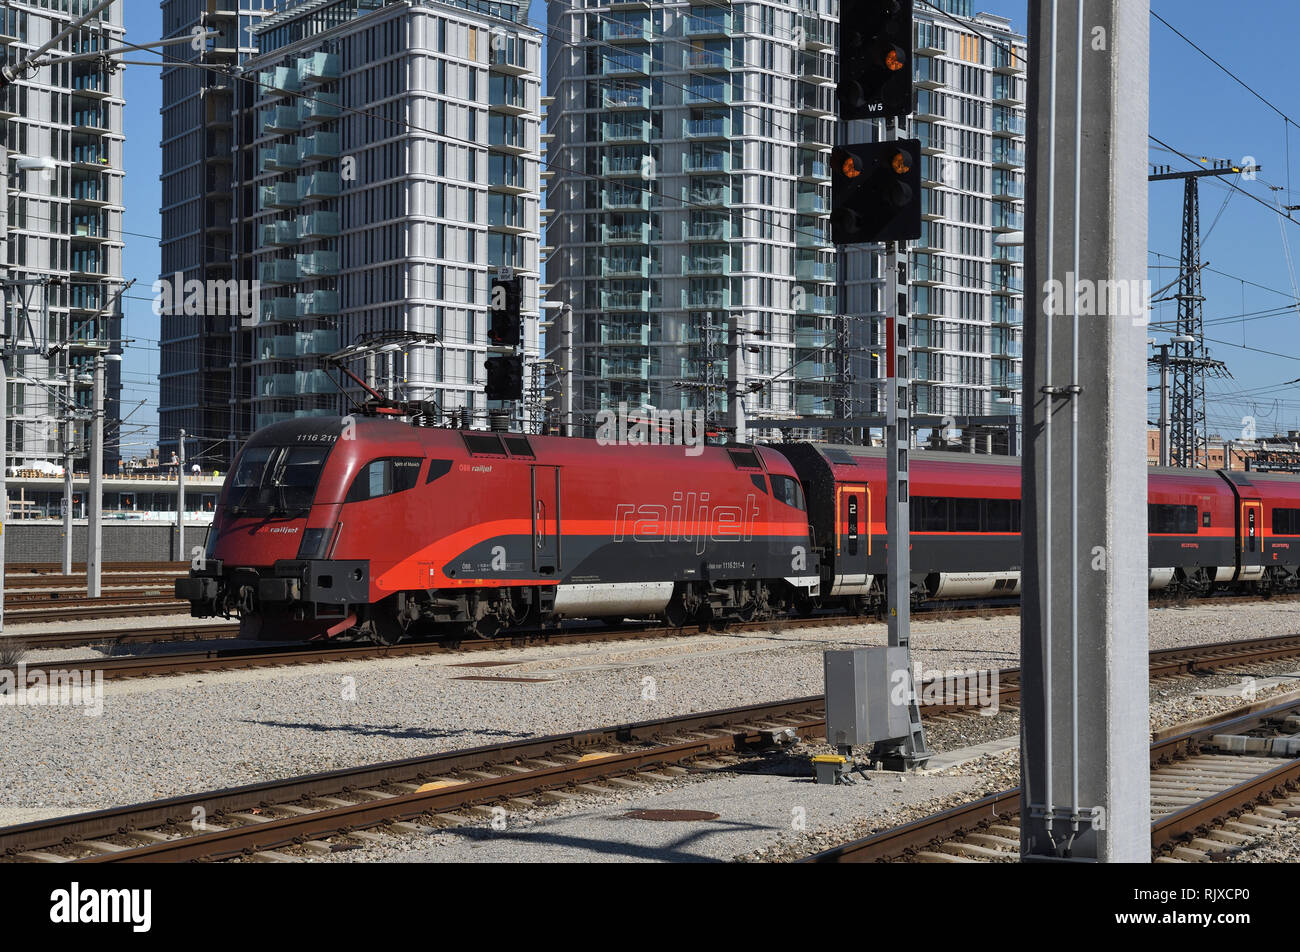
(1084, 735)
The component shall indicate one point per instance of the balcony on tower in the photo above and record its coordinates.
(706, 161)
(625, 300)
(279, 195)
(709, 193)
(707, 127)
(277, 271)
(707, 228)
(625, 62)
(704, 93)
(318, 225)
(813, 201)
(626, 29)
(277, 309)
(318, 68)
(625, 335)
(701, 22)
(281, 120)
(276, 385)
(625, 131)
(706, 261)
(625, 266)
(816, 33)
(279, 234)
(278, 81)
(1007, 123)
(1007, 218)
(283, 157)
(320, 147)
(317, 264)
(319, 185)
(319, 107)
(316, 304)
(812, 233)
(625, 97)
(313, 381)
(706, 298)
(318, 343)
(808, 267)
(804, 303)
(625, 368)
(637, 233)
(616, 198)
(634, 164)
(707, 59)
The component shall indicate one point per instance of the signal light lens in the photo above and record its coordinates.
(850, 167)
(894, 61)
(901, 163)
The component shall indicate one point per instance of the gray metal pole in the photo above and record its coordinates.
(95, 493)
(736, 379)
(69, 435)
(565, 359)
(4, 443)
(1164, 405)
(898, 450)
(180, 497)
(1085, 794)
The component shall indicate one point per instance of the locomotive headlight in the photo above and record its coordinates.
(315, 543)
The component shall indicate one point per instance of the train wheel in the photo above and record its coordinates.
(675, 614)
(806, 605)
(384, 628)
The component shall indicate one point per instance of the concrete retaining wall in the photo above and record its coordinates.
(43, 542)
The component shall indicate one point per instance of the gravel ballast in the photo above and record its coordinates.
(170, 736)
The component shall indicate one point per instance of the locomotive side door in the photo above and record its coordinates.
(546, 519)
(852, 539)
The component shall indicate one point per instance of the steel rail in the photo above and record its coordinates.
(1166, 832)
(56, 831)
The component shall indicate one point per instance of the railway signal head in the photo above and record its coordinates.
(875, 55)
(505, 378)
(876, 192)
(505, 327)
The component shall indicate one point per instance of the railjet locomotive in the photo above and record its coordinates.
(381, 529)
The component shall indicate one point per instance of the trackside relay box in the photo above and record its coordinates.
(867, 692)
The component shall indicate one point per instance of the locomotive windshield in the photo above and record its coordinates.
(276, 480)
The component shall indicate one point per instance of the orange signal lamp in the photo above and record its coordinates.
(894, 62)
(850, 167)
(900, 163)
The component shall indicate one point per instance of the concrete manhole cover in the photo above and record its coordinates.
(671, 816)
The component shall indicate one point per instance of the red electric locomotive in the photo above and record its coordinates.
(380, 528)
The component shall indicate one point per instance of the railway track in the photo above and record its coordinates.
(162, 596)
(300, 812)
(72, 584)
(1165, 663)
(1214, 787)
(16, 569)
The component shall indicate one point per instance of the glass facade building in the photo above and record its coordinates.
(688, 185)
(61, 128)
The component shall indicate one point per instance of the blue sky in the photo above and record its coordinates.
(1194, 107)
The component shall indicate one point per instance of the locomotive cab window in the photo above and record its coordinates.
(786, 489)
(276, 480)
(383, 477)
